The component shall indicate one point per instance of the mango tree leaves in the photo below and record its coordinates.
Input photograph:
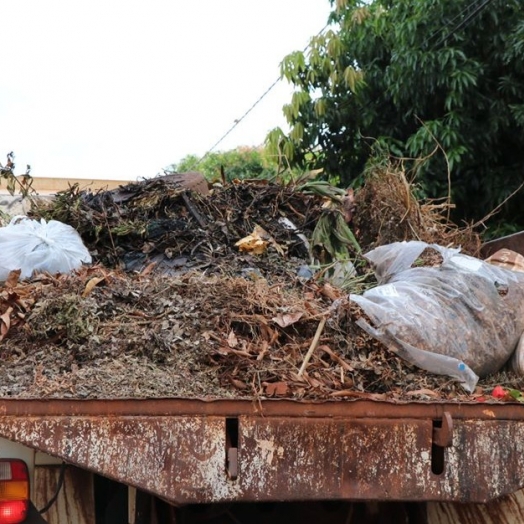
(421, 79)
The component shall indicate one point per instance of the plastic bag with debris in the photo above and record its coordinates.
(462, 319)
(32, 245)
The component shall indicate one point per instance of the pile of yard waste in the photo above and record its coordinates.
(230, 294)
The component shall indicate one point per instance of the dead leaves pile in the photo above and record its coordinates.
(15, 303)
(211, 305)
(103, 334)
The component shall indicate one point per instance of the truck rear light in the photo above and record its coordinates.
(14, 491)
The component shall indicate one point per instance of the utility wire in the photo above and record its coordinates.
(474, 7)
(464, 23)
(457, 22)
(59, 485)
(237, 122)
(222, 138)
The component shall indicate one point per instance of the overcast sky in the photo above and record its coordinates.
(123, 88)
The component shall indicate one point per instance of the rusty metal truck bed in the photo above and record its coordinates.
(193, 451)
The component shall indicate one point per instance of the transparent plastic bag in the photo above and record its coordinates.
(32, 245)
(462, 319)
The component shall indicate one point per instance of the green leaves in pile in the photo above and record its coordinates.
(334, 236)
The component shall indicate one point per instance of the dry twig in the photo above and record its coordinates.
(314, 344)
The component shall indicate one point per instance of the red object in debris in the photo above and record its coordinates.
(499, 392)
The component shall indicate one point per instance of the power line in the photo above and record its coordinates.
(220, 140)
(260, 98)
(457, 23)
(465, 22)
(474, 7)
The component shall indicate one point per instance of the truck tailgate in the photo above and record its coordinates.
(193, 451)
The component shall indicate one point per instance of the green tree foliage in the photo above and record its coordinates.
(405, 76)
(240, 163)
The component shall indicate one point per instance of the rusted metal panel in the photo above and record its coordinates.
(354, 460)
(194, 451)
(178, 458)
(75, 502)
(263, 408)
(183, 458)
(382, 459)
(486, 460)
(515, 242)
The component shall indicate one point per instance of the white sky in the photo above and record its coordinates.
(122, 88)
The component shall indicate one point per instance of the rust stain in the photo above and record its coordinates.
(263, 408)
(334, 452)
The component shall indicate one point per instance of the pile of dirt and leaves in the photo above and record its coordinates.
(226, 295)
(161, 224)
(249, 224)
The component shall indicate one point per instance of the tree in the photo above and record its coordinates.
(240, 163)
(417, 78)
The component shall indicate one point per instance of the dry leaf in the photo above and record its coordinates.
(148, 247)
(92, 283)
(238, 383)
(331, 292)
(13, 278)
(5, 324)
(423, 391)
(348, 205)
(343, 364)
(263, 351)
(148, 269)
(253, 243)
(276, 389)
(288, 318)
(22, 303)
(268, 336)
(232, 340)
(258, 241)
(358, 394)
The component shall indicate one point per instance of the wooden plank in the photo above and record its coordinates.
(75, 502)
(47, 185)
(505, 510)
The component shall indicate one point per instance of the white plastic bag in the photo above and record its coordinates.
(32, 245)
(462, 319)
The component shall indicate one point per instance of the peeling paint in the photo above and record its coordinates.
(182, 458)
(267, 449)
